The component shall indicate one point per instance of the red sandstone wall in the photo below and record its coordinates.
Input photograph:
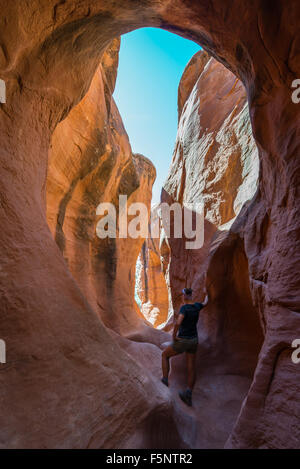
(152, 287)
(91, 162)
(215, 162)
(59, 354)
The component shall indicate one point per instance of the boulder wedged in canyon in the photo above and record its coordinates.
(59, 355)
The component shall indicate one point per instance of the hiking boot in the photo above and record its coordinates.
(186, 397)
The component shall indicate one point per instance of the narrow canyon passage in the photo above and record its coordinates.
(215, 161)
(79, 348)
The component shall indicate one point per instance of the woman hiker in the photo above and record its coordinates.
(185, 341)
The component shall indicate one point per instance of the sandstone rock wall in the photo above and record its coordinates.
(152, 276)
(64, 366)
(91, 162)
(59, 353)
(215, 162)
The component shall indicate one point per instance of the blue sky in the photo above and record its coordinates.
(151, 64)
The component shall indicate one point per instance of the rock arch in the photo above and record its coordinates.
(49, 52)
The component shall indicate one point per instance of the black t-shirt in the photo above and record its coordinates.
(188, 327)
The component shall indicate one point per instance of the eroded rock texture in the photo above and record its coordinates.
(91, 162)
(61, 359)
(215, 162)
(152, 276)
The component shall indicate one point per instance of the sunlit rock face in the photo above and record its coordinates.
(61, 360)
(215, 162)
(152, 276)
(91, 162)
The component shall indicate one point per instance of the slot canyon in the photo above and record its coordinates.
(84, 319)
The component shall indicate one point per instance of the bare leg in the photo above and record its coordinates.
(165, 362)
(191, 367)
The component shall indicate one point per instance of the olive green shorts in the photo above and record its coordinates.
(181, 345)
